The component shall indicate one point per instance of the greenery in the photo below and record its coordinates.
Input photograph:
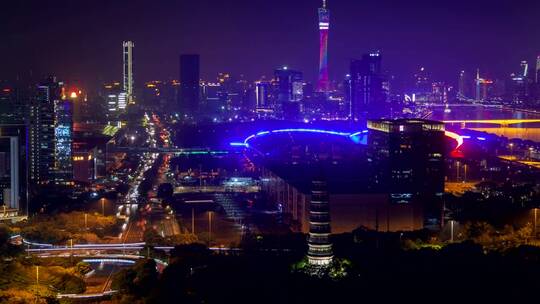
(18, 282)
(62, 227)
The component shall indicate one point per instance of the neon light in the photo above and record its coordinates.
(239, 144)
(481, 138)
(359, 133)
(458, 138)
(324, 26)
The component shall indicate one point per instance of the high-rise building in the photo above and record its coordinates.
(482, 87)
(368, 91)
(42, 123)
(319, 246)
(51, 131)
(324, 27)
(289, 85)
(537, 74)
(262, 94)
(422, 86)
(63, 141)
(9, 171)
(464, 86)
(128, 68)
(411, 156)
(13, 167)
(289, 91)
(524, 68)
(189, 84)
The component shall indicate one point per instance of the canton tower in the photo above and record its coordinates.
(324, 26)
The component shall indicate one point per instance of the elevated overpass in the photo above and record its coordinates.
(168, 150)
(499, 122)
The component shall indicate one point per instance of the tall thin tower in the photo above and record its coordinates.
(319, 246)
(128, 67)
(324, 26)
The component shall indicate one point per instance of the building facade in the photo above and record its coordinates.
(189, 84)
(369, 92)
(410, 155)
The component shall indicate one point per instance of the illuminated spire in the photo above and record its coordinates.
(477, 74)
(324, 3)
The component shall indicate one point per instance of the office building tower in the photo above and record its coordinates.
(319, 246)
(51, 129)
(464, 86)
(482, 87)
(368, 90)
(13, 168)
(324, 27)
(9, 171)
(128, 68)
(63, 141)
(290, 92)
(411, 154)
(289, 85)
(537, 74)
(524, 69)
(422, 86)
(42, 123)
(189, 84)
(262, 94)
(13, 106)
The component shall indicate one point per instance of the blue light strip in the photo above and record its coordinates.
(299, 130)
(353, 136)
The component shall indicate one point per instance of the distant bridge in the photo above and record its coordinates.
(501, 122)
(176, 151)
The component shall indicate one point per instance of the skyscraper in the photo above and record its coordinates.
(411, 154)
(128, 68)
(42, 123)
(189, 83)
(537, 74)
(13, 167)
(289, 85)
(262, 94)
(324, 27)
(464, 86)
(51, 134)
(319, 246)
(63, 141)
(368, 91)
(290, 92)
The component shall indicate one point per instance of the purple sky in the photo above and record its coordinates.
(81, 40)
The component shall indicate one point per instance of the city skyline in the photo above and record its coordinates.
(409, 36)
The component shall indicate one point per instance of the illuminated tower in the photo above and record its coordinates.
(319, 246)
(128, 67)
(324, 26)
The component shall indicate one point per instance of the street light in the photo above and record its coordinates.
(209, 227)
(37, 274)
(103, 206)
(535, 210)
(451, 231)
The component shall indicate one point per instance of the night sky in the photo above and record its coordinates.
(81, 39)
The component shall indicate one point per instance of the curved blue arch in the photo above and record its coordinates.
(246, 141)
(354, 136)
